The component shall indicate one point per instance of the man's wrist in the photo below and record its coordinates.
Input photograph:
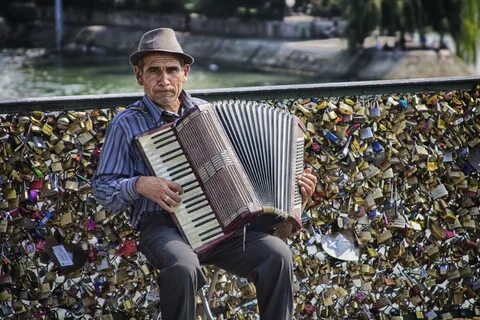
(129, 190)
(139, 184)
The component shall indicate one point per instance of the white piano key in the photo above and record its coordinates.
(160, 164)
(194, 198)
(212, 233)
(186, 217)
(182, 180)
(204, 227)
(176, 174)
(196, 240)
(179, 169)
(164, 150)
(189, 226)
(190, 185)
(163, 141)
(192, 193)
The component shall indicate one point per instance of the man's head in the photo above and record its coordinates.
(161, 67)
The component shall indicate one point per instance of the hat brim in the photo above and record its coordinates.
(139, 54)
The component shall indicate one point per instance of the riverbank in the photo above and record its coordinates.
(324, 59)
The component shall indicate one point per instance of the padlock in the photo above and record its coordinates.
(432, 164)
(71, 185)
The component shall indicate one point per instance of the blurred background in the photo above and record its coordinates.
(55, 47)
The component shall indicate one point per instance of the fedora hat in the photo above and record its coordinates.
(159, 40)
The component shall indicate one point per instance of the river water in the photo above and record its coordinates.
(27, 73)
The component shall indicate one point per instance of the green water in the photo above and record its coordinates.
(27, 73)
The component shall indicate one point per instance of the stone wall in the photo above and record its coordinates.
(308, 28)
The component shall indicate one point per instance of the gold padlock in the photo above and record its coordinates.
(432, 163)
(66, 219)
(11, 194)
(47, 129)
(71, 185)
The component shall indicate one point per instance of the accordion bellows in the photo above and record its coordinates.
(236, 162)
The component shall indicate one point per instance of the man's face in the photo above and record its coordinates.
(162, 78)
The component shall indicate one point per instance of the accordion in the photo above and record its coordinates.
(236, 162)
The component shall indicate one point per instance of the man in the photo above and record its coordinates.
(122, 181)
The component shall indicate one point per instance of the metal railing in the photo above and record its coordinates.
(356, 88)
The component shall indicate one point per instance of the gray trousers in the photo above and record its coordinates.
(266, 261)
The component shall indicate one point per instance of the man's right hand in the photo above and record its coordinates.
(164, 192)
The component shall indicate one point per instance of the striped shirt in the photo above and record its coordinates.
(121, 162)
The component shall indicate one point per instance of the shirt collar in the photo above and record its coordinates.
(157, 111)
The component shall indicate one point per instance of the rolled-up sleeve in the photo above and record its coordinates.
(114, 182)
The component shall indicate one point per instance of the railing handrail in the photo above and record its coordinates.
(354, 88)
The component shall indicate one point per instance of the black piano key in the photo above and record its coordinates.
(209, 236)
(185, 190)
(194, 203)
(172, 157)
(182, 174)
(161, 133)
(193, 198)
(202, 216)
(174, 172)
(165, 143)
(205, 221)
(188, 184)
(177, 165)
(169, 151)
(161, 139)
(169, 168)
(197, 208)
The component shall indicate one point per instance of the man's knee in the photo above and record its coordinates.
(182, 270)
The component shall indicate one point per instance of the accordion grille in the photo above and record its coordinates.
(269, 146)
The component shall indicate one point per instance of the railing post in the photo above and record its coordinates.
(58, 24)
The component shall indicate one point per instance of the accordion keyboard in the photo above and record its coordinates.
(194, 214)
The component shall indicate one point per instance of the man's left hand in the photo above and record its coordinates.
(307, 182)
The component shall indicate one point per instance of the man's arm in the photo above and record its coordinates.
(115, 185)
(114, 182)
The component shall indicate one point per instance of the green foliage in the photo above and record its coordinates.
(469, 31)
(459, 18)
(363, 17)
(323, 8)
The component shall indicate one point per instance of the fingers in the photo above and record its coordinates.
(307, 187)
(307, 182)
(164, 192)
(304, 192)
(172, 198)
(165, 205)
(175, 187)
(169, 201)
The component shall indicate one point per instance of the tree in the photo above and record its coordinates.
(467, 33)
(363, 18)
(459, 18)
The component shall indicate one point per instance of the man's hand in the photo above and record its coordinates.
(307, 182)
(162, 191)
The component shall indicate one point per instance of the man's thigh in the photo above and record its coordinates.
(241, 257)
(163, 245)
